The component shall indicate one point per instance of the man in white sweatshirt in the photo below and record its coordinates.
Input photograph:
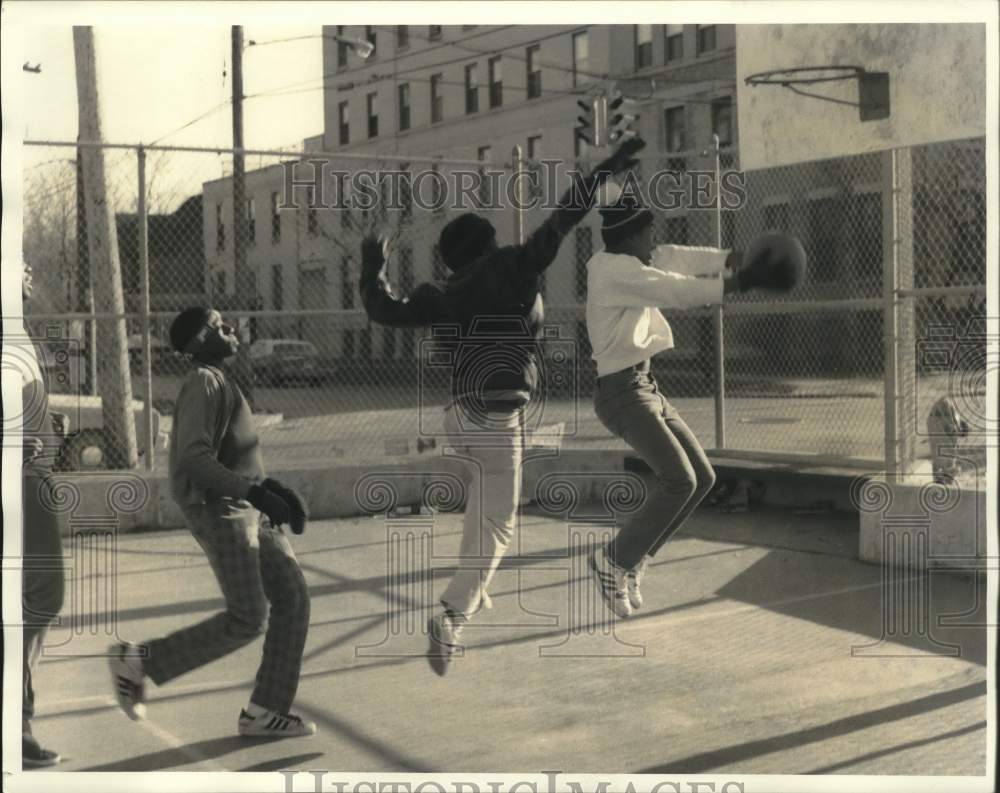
(627, 284)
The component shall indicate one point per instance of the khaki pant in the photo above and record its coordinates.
(491, 446)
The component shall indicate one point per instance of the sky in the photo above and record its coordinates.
(155, 80)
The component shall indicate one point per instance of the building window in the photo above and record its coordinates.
(673, 126)
(365, 343)
(406, 288)
(433, 31)
(405, 191)
(867, 235)
(372, 115)
(706, 38)
(404, 107)
(483, 154)
(676, 230)
(437, 189)
(370, 37)
(219, 287)
(347, 302)
(277, 288)
(251, 218)
(438, 268)
(643, 46)
(584, 250)
(673, 36)
(471, 88)
(275, 219)
(534, 71)
(344, 123)
(722, 120)
(402, 37)
(776, 217)
(496, 81)
(823, 214)
(437, 102)
(581, 57)
(534, 147)
(342, 206)
(220, 229)
(341, 48)
(312, 221)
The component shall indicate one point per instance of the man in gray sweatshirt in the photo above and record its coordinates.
(216, 473)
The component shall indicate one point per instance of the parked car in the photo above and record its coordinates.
(84, 445)
(284, 361)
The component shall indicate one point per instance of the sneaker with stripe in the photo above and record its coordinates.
(128, 679)
(611, 582)
(633, 580)
(272, 724)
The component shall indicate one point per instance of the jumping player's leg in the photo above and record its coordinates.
(494, 492)
(704, 476)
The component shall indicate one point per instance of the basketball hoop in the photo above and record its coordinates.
(873, 87)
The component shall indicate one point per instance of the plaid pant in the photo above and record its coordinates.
(42, 580)
(254, 564)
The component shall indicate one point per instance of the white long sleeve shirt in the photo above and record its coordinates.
(624, 297)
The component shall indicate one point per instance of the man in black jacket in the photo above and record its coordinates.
(492, 294)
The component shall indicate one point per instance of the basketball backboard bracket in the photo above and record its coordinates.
(873, 87)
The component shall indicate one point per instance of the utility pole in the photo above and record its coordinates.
(245, 286)
(102, 241)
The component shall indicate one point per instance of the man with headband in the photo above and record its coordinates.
(217, 477)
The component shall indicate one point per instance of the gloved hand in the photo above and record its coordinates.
(274, 506)
(775, 262)
(296, 503)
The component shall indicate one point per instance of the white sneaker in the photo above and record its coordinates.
(443, 631)
(611, 582)
(633, 580)
(127, 679)
(271, 724)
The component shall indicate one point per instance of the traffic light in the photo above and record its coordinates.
(619, 119)
(587, 128)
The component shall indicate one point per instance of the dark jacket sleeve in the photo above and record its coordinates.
(541, 247)
(424, 307)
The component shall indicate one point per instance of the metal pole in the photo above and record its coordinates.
(718, 325)
(147, 347)
(889, 310)
(519, 206)
(92, 337)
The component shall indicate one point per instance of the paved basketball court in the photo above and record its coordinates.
(741, 660)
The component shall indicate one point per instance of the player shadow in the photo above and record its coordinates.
(190, 753)
(923, 616)
(727, 756)
(282, 763)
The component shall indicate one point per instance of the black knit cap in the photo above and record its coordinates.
(623, 218)
(186, 326)
(464, 240)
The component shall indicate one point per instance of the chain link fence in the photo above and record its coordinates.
(804, 374)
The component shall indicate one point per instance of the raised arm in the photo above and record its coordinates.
(632, 283)
(424, 307)
(541, 247)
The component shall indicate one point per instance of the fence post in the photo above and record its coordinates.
(142, 217)
(717, 315)
(899, 324)
(518, 196)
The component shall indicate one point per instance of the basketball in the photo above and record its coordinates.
(777, 261)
